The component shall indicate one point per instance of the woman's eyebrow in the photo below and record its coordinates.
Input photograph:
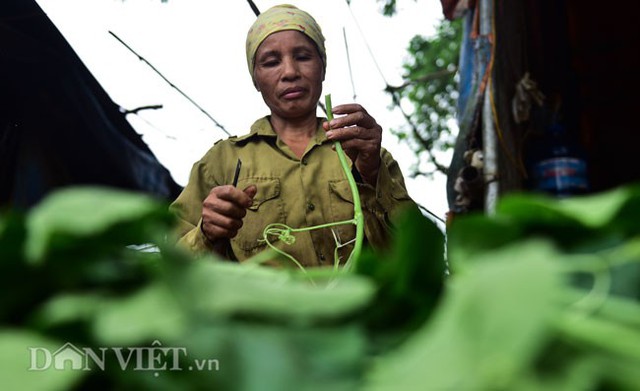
(302, 49)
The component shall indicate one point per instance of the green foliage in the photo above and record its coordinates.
(409, 282)
(431, 88)
(543, 295)
(388, 7)
(487, 331)
(61, 225)
(516, 315)
(267, 328)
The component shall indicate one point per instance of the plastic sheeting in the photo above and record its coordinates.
(58, 127)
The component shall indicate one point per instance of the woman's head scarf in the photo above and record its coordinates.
(280, 18)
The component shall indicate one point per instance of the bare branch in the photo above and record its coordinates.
(425, 78)
(416, 133)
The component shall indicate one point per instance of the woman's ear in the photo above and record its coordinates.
(255, 83)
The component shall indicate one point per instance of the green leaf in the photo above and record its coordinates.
(488, 330)
(410, 276)
(602, 224)
(600, 334)
(13, 270)
(150, 314)
(277, 357)
(617, 206)
(576, 373)
(425, 266)
(577, 219)
(471, 235)
(90, 217)
(23, 363)
(617, 374)
(66, 308)
(12, 236)
(614, 308)
(223, 289)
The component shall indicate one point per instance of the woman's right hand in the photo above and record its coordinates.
(223, 211)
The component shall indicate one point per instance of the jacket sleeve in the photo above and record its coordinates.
(381, 205)
(188, 210)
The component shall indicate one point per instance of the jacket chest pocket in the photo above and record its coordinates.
(341, 204)
(267, 208)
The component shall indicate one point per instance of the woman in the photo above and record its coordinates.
(290, 174)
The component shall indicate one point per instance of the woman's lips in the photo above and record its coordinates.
(293, 93)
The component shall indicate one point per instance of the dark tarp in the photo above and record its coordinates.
(58, 127)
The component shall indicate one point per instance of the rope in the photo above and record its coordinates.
(170, 83)
(346, 47)
(366, 43)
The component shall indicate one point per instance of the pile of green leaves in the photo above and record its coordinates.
(71, 274)
(543, 295)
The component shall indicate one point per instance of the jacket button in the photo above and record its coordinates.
(310, 206)
(304, 161)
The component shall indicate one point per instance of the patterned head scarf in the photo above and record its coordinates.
(280, 18)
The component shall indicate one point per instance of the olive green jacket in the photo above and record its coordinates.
(297, 192)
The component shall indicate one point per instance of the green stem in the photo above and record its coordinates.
(357, 207)
(601, 334)
(284, 232)
(618, 309)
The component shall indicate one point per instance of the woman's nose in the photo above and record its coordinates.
(290, 68)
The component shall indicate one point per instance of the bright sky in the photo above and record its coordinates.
(199, 46)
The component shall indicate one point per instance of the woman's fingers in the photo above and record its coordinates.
(360, 136)
(352, 132)
(234, 195)
(223, 211)
(350, 115)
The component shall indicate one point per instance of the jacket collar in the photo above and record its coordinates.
(262, 129)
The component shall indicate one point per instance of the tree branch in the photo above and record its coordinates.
(416, 133)
(431, 76)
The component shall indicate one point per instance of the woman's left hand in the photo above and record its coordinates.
(360, 137)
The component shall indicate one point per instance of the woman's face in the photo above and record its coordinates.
(288, 73)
